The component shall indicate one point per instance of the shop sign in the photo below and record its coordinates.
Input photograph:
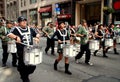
(116, 5)
(64, 16)
(46, 15)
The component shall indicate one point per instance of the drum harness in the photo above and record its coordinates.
(26, 34)
(103, 35)
(63, 35)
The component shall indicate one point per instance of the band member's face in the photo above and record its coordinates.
(62, 25)
(85, 24)
(23, 24)
(112, 26)
(51, 25)
(9, 25)
(102, 27)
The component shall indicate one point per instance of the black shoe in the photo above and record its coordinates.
(26, 80)
(4, 65)
(14, 65)
(89, 63)
(105, 56)
(68, 72)
(46, 52)
(95, 54)
(55, 65)
(67, 69)
(116, 53)
(53, 54)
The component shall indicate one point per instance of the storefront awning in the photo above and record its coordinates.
(45, 9)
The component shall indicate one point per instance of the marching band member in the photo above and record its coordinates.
(49, 31)
(113, 35)
(23, 34)
(100, 36)
(72, 33)
(3, 35)
(83, 33)
(62, 37)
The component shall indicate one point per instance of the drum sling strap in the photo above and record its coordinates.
(73, 30)
(26, 34)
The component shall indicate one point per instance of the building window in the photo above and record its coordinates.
(33, 1)
(21, 3)
(33, 16)
(24, 2)
(24, 13)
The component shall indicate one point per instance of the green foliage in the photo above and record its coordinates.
(108, 10)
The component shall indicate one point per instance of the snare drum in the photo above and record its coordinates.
(12, 47)
(69, 51)
(94, 45)
(108, 42)
(77, 39)
(33, 55)
(118, 39)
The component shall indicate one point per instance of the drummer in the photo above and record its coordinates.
(83, 33)
(100, 35)
(21, 34)
(73, 30)
(63, 37)
(49, 31)
(3, 35)
(112, 35)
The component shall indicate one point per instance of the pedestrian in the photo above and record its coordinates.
(49, 31)
(4, 30)
(62, 38)
(100, 36)
(23, 34)
(83, 33)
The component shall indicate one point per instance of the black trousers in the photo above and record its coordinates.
(102, 44)
(50, 44)
(23, 69)
(5, 55)
(84, 48)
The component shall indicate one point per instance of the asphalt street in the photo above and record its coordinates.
(103, 70)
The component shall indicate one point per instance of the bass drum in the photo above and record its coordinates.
(108, 42)
(94, 45)
(33, 55)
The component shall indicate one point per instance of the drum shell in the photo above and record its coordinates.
(32, 55)
(118, 39)
(108, 42)
(11, 47)
(94, 45)
(70, 51)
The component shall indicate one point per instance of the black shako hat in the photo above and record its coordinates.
(21, 18)
(60, 22)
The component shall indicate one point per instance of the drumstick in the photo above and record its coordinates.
(25, 44)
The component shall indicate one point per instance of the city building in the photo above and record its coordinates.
(11, 9)
(2, 8)
(40, 12)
